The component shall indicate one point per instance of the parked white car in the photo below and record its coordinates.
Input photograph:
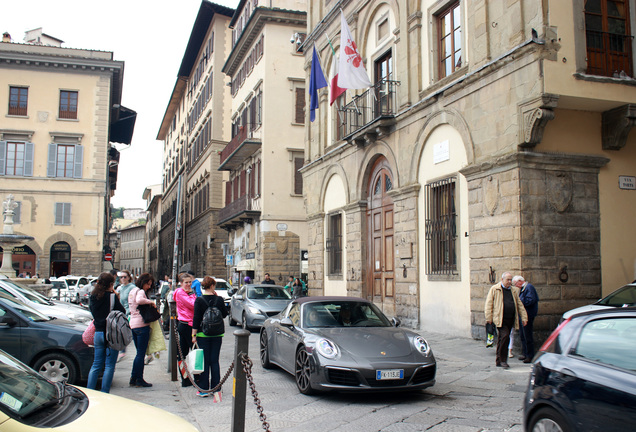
(47, 307)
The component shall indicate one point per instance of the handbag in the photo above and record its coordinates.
(195, 360)
(148, 313)
(89, 334)
(491, 328)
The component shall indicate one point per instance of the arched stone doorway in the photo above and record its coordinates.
(60, 259)
(380, 245)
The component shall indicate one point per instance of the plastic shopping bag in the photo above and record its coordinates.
(194, 360)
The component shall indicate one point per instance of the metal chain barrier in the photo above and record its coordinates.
(247, 368)
(190, 377)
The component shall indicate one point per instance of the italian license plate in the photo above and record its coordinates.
(389, 374)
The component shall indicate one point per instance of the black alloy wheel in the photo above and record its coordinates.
(547, 420)
(303, 372)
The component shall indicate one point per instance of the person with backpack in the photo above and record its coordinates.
(207, 331)
(101, 301)
(140, 329)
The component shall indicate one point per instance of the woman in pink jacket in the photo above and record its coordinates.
(185, 297)
(140, 330)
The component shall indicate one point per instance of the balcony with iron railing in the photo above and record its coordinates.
(609, 54)
(244, 144)
(240, 211)
(373, 109)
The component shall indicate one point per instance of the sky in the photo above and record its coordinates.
(150, 37)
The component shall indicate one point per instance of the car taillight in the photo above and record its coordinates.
(549, 341)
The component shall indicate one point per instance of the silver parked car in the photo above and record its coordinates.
(345, 344)
(47, 307)
(622, 297)
(254, 303)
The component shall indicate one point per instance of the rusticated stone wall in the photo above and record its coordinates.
(537, 215)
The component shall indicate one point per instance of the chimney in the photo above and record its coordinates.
(6, 37)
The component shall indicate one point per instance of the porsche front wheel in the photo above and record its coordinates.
(303, 372)
(265, 351)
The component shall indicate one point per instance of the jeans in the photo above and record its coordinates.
(141, 336)
(105, 358)
(211, 347)
(527, 338)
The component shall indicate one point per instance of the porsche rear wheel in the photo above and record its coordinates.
(303, 372)
(230, 320)
(265, 351)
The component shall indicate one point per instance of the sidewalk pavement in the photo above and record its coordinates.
(470, 394)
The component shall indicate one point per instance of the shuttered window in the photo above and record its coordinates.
(16, 158)
(65, 160)
(299, 112)
(298, 177)
(62, 213)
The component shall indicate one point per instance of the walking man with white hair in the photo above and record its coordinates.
(530, 299)
(504, 308)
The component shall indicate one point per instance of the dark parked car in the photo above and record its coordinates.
(51, 346)
(253, 304)
(345, 344)
(584, 376)
(622, 297)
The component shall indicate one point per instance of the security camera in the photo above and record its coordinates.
(293, 39)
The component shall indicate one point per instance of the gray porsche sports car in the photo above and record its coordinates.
(345, 344)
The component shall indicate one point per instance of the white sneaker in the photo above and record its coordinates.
(148, 359)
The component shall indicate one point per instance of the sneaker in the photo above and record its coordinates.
(510, 354)
(148, 359)
(142, 383)
(121, 356)
(217, 397)
(203, 394)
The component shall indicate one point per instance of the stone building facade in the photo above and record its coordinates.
(61, 113)
(194, 130)
(492, 140)
(264, 212)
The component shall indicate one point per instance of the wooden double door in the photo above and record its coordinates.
(380, 286)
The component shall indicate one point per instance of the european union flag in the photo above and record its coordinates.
(316, 81)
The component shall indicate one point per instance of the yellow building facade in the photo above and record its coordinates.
(60, 111)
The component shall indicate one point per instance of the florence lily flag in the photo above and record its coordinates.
(352, 74)
(316, 81)
(334, 90)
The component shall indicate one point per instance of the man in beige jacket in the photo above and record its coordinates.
(504, 308)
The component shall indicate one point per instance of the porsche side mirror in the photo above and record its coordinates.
(286, 322)
(396, 322)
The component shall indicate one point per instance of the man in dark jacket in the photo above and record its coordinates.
(267, 280)
(530, 299)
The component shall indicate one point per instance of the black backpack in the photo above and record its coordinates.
(212, 322)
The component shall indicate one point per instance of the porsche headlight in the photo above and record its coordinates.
(421, 345)
(327, 348)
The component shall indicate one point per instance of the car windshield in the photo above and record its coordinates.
(222, 285)
(27, 311)
(29, 293)
(625, 296)
(71, 281)
(343, 314)
(267, 293)
(22, 391)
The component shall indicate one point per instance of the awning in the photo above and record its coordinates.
(121, 129)
(248, 264)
